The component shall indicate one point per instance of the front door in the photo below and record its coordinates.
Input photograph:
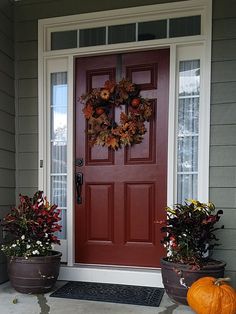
(123, 191)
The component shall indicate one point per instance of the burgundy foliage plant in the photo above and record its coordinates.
(32, 225)
(189, 232)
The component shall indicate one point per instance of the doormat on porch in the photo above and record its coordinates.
(104, 292)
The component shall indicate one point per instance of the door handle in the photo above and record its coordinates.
(79, 183)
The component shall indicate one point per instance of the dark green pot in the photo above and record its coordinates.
(34, 275)
(178, 277)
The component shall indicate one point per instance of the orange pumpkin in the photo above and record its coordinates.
(209, 295)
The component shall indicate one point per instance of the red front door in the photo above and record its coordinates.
(123, 191)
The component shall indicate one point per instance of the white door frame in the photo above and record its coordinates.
(183, 48)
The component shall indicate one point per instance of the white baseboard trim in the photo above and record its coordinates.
(118, 275)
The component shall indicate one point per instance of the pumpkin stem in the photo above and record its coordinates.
(219, 281)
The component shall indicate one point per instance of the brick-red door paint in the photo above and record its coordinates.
(123, 191)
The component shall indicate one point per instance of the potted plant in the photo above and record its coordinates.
(33, 265)
(189, 239)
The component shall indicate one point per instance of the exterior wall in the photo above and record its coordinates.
(223, 101)
(223, 127)
(7, 116)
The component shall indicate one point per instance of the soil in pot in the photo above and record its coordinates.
(178, 277)
(36, 274)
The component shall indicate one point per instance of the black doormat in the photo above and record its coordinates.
(104, 292)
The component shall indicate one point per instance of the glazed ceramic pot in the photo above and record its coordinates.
(36, 274)
(178, 277)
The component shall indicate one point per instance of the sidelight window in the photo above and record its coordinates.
(58, 144)
(188, 130)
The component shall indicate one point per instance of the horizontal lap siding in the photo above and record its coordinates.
(223, 128)
(26, 40)
(7, 117)
(7, 107)
(30, 10)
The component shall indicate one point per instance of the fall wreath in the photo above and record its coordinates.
(99, 111)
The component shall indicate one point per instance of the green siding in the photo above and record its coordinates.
(223, 49)
(33, 10)
(224, 9)
(28, 106)
(223, 177)
(27, 161)
(223, 71)
(7, 111)
(222, 156)
(223, 127)
(224, 29)
(7, 118)
(6, 101)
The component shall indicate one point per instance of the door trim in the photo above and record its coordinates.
(194, 45)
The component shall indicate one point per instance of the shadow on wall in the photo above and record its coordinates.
(3, 263)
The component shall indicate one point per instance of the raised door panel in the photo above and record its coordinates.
(139, 209)
(100, 212)
(97, 155)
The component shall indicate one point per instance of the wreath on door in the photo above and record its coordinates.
(99, 111)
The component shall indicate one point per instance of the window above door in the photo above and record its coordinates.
(122, 33)
(165, 23)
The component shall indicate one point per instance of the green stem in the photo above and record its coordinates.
(219, 281)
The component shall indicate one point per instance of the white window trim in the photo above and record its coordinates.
(180, 48)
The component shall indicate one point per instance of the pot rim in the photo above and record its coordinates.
(55, 255)
(218, 263)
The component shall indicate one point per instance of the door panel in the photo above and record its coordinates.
(124, 191)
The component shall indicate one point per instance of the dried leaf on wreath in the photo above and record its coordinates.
(112, 142)
(110, 85)
(88, 111)
(123, 117)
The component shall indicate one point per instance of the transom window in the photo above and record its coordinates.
(139, 31)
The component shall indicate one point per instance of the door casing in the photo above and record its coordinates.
(180, 49)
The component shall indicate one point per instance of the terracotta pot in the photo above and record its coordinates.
(36, 274)
(178, 277)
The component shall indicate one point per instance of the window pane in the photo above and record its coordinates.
(189, 80)
(187, 154)
(58, 190)
(121, 33)
(185, 26)
(59, 123)
(64, 40)
(59, 89)
(92, 37)
(187, 184)
(188, 116)
(62, 234)
(188, 130)
(58, 157)
(152, 30)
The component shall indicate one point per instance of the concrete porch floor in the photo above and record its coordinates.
(12, 302)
